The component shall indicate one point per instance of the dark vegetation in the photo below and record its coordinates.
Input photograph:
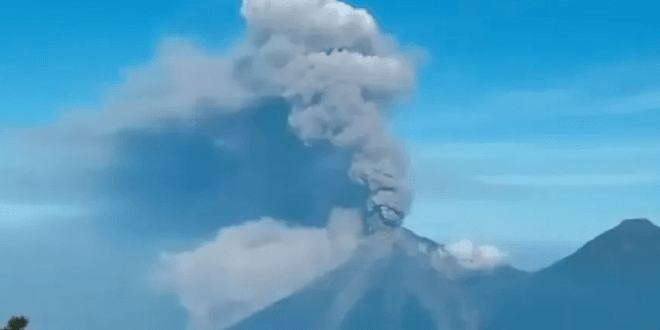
(16, 323)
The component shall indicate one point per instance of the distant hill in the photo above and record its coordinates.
(393, 282)
(628, 254)
(612, 282)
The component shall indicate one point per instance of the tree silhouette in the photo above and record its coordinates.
(16, 323)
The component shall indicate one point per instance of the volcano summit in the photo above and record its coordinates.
(394, 280)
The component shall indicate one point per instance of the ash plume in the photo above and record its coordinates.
(332, 65)
(339, 73)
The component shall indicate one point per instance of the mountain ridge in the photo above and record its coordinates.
(621, 253)
(399, 280)
(611, 282)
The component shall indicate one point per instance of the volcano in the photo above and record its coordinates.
(395, 280)
(398, 280)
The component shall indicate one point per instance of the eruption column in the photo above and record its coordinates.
(339, 73)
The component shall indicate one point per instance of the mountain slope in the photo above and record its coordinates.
(390, 283)
(397, 280)
(612, 282)
(628, 254)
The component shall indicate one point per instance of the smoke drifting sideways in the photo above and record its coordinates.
(248, 267)
(337, 72)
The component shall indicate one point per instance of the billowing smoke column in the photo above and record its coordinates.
(338, 72)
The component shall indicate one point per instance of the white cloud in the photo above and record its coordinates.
(250, 266)
(472, 257)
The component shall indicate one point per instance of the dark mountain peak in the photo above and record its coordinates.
(609, 283)
(628, 253)
(639, 224)
(629, 236)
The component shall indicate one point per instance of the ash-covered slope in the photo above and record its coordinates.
(391, 282)
(612, 282)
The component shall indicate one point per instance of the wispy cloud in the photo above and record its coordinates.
(16, 214)
(636, 102)
(568, 180)
(552, 102)
(593, 100)
(486, 150)
(485, 170)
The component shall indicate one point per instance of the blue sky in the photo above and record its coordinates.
(532, 74)
(535, 127)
